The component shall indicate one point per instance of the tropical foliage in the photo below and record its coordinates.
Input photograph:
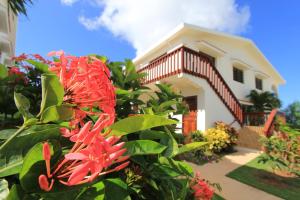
(75, 148)
(292, 113)
(19, 6)
(219, 139)
(282, 150)
(263, 101)
(20, 77)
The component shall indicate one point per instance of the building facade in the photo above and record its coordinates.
(213, 71)
(8, 25)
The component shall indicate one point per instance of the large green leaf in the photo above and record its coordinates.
(168, 168)
(34, 166)
(6, 133)
(152, 135)
(3, 71)
(190, 147)
(171, 143)
(52, 91)
(23, 105)
(143, 147)
(57, 113)
(11, 156)
(109, 189)
(39, 66)
(115, 189)
(16, 193)
(3, 189)
(139, 123)
(95, 192)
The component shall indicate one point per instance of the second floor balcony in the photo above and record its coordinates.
(186, 60)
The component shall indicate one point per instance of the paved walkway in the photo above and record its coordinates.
(232, 189)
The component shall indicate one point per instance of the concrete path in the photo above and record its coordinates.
(232, 189)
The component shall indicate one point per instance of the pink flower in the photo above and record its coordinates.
(20, 58)
(93, 154)
(202, 190)
(44, 184)
(87, 85)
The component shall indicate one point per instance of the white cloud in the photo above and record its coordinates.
(68, 2)
(144, 22)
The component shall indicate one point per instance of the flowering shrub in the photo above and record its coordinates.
(282, 150)
(217, 139)
(202, 189)
(73, 148)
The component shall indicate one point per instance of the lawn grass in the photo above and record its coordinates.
(260, 176)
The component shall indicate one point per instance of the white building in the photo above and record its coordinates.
(8, 24)
(213, 70)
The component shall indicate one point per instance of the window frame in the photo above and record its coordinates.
(257, 85)
(238, 77)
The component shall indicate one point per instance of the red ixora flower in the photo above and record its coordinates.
(86, 83)
(202, 191)
(93, 154)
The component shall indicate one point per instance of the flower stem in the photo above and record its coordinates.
(12, 137)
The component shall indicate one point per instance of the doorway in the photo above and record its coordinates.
(189, 120)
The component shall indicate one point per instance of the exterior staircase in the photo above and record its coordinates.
(185, 60)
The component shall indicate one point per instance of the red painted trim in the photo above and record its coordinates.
(198, 65)
(270, 122)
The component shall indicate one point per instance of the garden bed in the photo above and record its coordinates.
(260, 176)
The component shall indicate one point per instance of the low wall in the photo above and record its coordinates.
(249, 137)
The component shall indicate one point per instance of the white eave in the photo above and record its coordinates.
(188, 27)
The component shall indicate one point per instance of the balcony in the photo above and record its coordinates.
(185, 60)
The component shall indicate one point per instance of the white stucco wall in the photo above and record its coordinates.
(228, 53)
(235, 54)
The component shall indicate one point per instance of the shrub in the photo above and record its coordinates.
(217, 139)
(76, 148)
(233, 134)
(282, 150)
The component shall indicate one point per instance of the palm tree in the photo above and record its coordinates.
(264, 101)
(19, 6)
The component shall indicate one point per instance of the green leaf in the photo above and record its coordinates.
(143, 147)
(167, 168)
(152, 135)
(171, 143)
(23, 105)
(115, 189)
(39, 66)
(190, 147)
(6, 133)
(16, 193)
(3, 71)
(3, 189)
(11, 157)
(166, 104)
(95, 192)
(34, 166)
(139, 123)
(52, 91)
(57, 113)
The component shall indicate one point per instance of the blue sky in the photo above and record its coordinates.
(273, 25)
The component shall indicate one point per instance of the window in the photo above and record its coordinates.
(258, 83)
(238, 75)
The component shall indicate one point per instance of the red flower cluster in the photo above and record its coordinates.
(24, 56)
(202, 190)
(93, 154)
(86, 83)
(17, 75)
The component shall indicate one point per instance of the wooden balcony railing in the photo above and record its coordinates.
(269, 125)
(255, 118)
(185, 60)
